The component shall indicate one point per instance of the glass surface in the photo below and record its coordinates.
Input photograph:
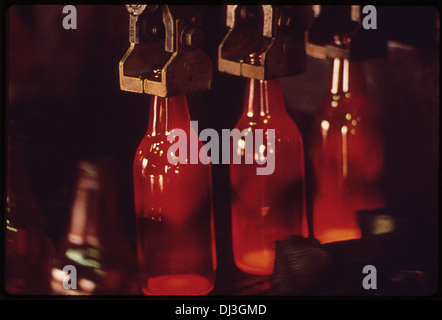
(347, 152)
(94, 243)
(27, 249)
(173, 202)
(266, 208)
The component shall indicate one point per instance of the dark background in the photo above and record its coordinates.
(62, 87)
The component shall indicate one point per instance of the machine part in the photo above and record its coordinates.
(300, 265)
(165, 57)
(263, 42)
(336, 32)
(136, 9)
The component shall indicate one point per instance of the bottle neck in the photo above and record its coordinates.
(167, 114)
(346, 77)
(264, 97)
(83, 228)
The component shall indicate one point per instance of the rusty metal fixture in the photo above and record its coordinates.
(263, 42)
(165, 56)
(136, 9)
(336, 32)
(192, 38)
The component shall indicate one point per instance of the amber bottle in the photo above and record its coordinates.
(173, 203)
(347, 154)
(266, 207)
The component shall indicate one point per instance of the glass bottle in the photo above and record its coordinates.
(82, 248)
(266, 207)
(173, 203)
(95, 244)
(347, 154)
(28, 247)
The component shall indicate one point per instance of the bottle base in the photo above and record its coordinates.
(259, 262)
(178, 284)
(338, 234)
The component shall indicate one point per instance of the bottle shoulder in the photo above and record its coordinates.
(341, 107)
(156, 155)
(283, 124)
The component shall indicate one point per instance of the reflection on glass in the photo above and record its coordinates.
(95, 245)
(347, 153)
(82, 246)
(173, 202)
(266, 208)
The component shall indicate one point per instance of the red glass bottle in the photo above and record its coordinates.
(28, 249)
(347, 153)
(266, 207)
(173, 202)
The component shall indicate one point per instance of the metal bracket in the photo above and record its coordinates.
(336, 32)
(165, 57)
(263, 42)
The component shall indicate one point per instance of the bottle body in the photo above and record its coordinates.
(173, 202)
(266, 207)
(28, 250)
(94, 246)
(347, 154)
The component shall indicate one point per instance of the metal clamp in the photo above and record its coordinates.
(263, 42)
(336, 32)
(165, 57)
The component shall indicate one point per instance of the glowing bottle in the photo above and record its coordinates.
(173, 202)
(347, 153)
(268, 206)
